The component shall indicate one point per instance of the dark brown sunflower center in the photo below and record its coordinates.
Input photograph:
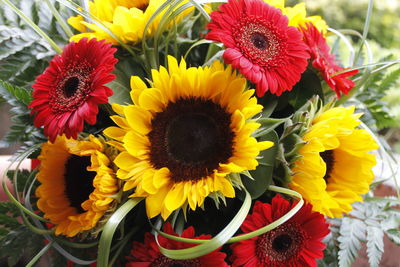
(261, 42)
(163, 261)
(71, 86)
(191, 137)
(78, 181)
(328, 158)
(196, 129)
(143, 7)
(282, 244)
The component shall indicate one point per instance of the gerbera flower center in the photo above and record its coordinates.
(191, 137)
(328, 157)
(71, 86)
(281, 244)
(72, 89)
(78, 181)
(260, 41)
(163, 261)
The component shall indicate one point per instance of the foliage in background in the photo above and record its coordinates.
(24, 55)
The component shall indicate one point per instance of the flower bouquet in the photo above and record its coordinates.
(191, 133)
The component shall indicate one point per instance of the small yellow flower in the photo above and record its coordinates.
(335, 167)
(77, 185)
(184, 135)
(126, 19)
(298, 15)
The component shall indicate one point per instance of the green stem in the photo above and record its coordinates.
(109, 229)
(34, 26)
(117, 253)
(366, 28)
(17, 203)
(40, 254)
(60, 20)
(252, 234)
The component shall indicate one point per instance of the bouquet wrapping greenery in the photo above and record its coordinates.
(151, 148)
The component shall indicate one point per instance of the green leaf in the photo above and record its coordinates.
(8, 221)
(263, 174)
(121, 85)
(18, 242)
(13, 40)
(374, 245)
(305, 89)
(23, 177)
(22, 128)
(214, 243)
(109, 230)
(15, 93)
(268, 125)
(121, 92)
(394, 235)
(389, 81)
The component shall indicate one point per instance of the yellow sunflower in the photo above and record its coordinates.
(298, 15)
(77, 186)
(335, 167)
(126, 19)
(184, 135)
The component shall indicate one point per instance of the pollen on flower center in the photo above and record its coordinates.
(78, 181)
(191, 137)
(328, 157)
(71, 86)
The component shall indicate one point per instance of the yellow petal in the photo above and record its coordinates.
(175, 197)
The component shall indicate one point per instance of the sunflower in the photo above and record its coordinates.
(335, 167)
(260, 44)
(148, 253)
(184, 135)
(68, 92)
(297, 242)
(77, 185)
(324, 62)
(125, 19)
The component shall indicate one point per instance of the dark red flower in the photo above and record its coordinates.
(70, 89)
(260, 44)
(324, 61)
(148, 254)
(297, 242)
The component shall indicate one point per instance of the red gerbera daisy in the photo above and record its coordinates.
(297, 242)
(69, 90)
(260, 44)
(324, 61)
(148, 254)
